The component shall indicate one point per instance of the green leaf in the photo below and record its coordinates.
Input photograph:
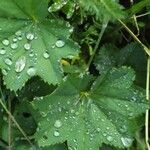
(103, 9)
(87, 113)
(138, 7)
(32, 45)
(106, 58)
(132, 55)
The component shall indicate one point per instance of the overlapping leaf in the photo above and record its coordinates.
(32, 45)
(87, 113)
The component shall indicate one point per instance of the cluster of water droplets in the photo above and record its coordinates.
(57, 5)
(21, 62)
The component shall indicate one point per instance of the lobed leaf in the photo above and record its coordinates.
(88, 113)
(32, 45)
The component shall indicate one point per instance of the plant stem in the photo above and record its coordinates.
(9, 125)
(104, 26)
(147, 111)
(18, 126)
(135, 37)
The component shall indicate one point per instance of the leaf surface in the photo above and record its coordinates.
(88, 113)
(32, 45)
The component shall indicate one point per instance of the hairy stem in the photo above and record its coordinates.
(104, 26)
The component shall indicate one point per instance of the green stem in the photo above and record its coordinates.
(104, 26)
(9, 125)
(17, 125)
(147, 111)
(135, 37)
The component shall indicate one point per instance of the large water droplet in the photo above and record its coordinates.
(5, 42)
(56, 133)
(126, 141)
(60, 43)
(30, 36)
(8, 61)
(27, 46)
(58, 124)
(31, 71)
(14, 45)
(2, 51)
(20, 64)
(46, 55)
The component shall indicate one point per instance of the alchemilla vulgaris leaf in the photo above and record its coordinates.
(32, 45)
(86, 112)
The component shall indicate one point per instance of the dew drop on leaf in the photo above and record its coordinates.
(20, 64)
(109, 138)
(60, 43)
(27, 46)
(31, 71)
(126, 141)
(46, 55)
(30, 36)
(14, 45)
(123, 129)
(56, 133)
(58, 124)
(8, 61)
(19, 38)
(43, 114)
(4, 72)
(18, 33)
(5, 42)
(15, 39)
(2, 51)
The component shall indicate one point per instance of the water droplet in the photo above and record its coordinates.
(20, 64)
(27, 46)
(46, 55)
(18, 33)
(4, 72)
(30, 36)
(98, 129)
(31, 71)
(60, 43)
(8, 61)
(2, 51)
(56, 133)
(126, 141)
(58, 124)
(131, 114)
(43, 114)
(123, 129)
(15, 39)
(109, 138)
(19, 38)
(14, 45)
(5, 42)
